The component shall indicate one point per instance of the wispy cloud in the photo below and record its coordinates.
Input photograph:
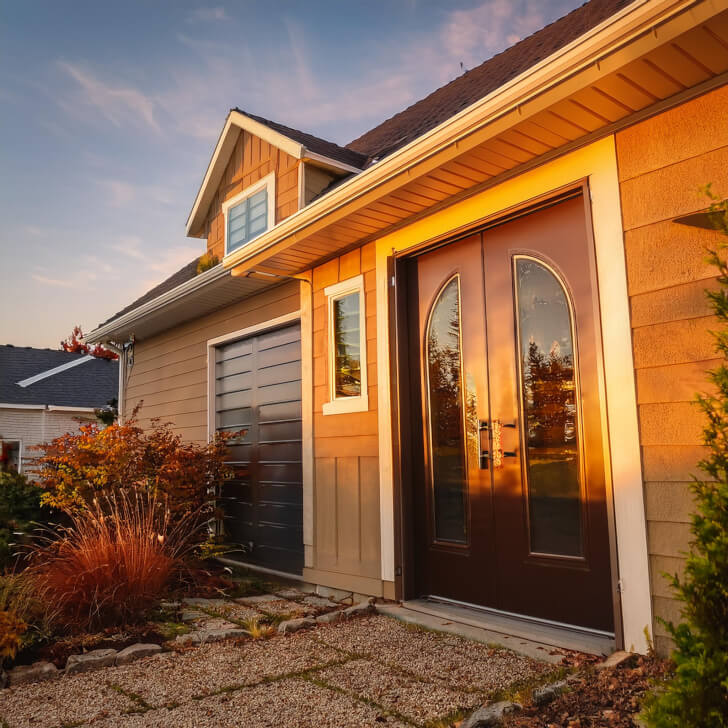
(207, 15)
(122, 193)
(121, 105)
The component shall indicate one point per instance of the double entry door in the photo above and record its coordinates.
(509, 494)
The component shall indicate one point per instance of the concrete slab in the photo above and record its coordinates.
(510, 630)
(536, 650)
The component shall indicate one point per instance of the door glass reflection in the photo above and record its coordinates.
(447, 442)
(548, 390)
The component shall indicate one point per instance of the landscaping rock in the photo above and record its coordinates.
(547, 693)
(491, 715)
(136, 652)
(201, 603)
(191, 638)
(32, 673)
(318, 602)
(259, 599)
(217, 635)
(331, 617)
(293, 625)
(90, 661)
(361, 609)
(617, 659)
(293, 594)
(192, 614)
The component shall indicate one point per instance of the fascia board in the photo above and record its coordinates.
(610, 35)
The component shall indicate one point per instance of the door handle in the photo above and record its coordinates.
(496, 454)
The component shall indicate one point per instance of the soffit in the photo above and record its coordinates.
(656, 64)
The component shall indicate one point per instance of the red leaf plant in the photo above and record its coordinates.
(119, 556)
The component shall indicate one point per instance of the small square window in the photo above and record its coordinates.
(347, 348)
(249, 213)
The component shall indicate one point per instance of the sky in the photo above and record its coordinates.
(109, 113)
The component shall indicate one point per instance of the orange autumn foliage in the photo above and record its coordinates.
(76, 468)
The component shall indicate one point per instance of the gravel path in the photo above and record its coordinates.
(364, 672)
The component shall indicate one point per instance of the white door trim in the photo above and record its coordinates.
(274, 323)
(598, 163)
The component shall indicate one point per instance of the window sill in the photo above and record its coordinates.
(347, 405)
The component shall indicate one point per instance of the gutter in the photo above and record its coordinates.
(181, 291)
(47, 407)
(588, 49)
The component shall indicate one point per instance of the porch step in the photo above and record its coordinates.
(529, 638)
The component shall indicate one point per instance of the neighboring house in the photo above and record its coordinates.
(45, 394)
(465, 345)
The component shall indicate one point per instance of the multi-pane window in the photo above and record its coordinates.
(248, 215)
(347, 347)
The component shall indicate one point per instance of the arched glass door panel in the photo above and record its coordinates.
(550, 409)
(446, 423)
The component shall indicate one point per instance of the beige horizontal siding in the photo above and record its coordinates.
(169, 376)
(671, 320)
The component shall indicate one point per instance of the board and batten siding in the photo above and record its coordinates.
(346, 548)
(169, 375)
(252, 159)
(662, 163)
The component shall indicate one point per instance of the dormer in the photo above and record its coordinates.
(261, 173)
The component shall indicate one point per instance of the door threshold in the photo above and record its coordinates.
(514, 627)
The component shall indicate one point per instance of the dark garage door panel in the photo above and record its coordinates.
(258, 387)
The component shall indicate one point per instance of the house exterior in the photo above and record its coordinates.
(465, 346)
(45, 394)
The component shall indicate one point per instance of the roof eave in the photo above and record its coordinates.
(614, 32)
(107, 331)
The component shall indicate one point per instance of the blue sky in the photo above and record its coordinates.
(109, 113)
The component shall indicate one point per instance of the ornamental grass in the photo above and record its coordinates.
(115, 560)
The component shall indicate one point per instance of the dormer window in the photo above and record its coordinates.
(249, 213)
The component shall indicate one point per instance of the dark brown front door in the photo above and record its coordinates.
(510, 498)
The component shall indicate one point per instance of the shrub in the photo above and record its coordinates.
(118, 557)
(20, 509)
(697, 695)
(23, 617)
(77, 468)
(206, 261)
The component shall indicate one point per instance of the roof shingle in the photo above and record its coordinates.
(91, 384)
(473, 85)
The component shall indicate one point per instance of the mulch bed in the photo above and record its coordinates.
(611, 697)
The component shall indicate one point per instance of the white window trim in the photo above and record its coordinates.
(269, 182)
(343, 405)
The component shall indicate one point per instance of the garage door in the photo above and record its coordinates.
(258, 388)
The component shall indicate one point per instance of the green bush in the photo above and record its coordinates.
(19, 509)
(697, 695)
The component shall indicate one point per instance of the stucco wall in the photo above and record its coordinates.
(662, 163)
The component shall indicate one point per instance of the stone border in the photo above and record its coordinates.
(108, 657)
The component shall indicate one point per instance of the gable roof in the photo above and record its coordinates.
(313, 143)
(462, 98)
(297, 144)
(473, 85)
(80, 381)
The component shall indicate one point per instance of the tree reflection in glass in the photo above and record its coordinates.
(347, 374)
(550, 413)
(444, 379)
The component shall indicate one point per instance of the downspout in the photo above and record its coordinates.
(125, 352)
